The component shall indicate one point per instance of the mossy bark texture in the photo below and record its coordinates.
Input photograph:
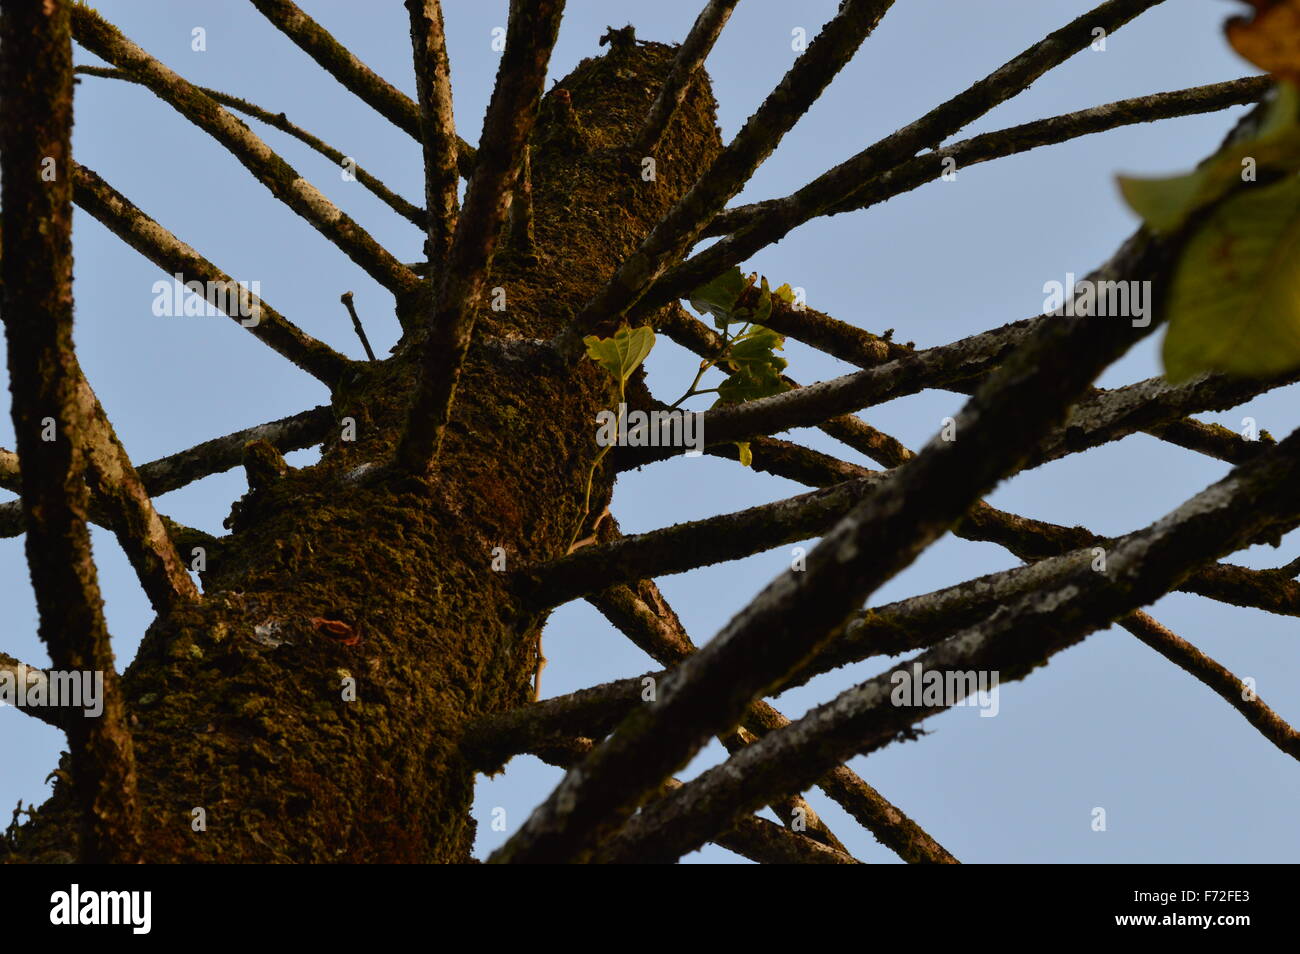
(350, 577)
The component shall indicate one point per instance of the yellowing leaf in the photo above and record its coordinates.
(1271, 38)
(621, 354)
(746, 455)
(1234, 305)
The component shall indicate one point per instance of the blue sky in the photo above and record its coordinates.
(1108, 724)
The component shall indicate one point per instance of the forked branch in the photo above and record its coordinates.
(359, 79)
(284, 182)
(511, 114)
(36, 305)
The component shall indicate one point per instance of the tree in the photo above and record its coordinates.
(368, 634)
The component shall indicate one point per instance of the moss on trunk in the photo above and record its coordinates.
(349, 573)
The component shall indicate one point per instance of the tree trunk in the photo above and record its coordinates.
(240, 706)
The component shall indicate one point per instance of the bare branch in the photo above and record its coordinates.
(645, 617)
(116, 488)
(850, 343)
(216, 456)
(437, 128)
(687, 546)
(19, 673)
(1017, 139)
(279, 121)
(1012, 642)
(337, 60)
(1273, 591)
(513, 110)
(673, 236)
(1227, 686)
(1155, 403)
(285, 183)
(767, 843)
(174, 257)
(798, 613)
(694, 51)
(751, 837)
(36, 306)
(844, 180)
(961, 366)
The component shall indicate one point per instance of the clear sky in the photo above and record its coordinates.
(1108, 724)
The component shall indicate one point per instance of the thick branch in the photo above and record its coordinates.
(285, 183)
(174, 257)
(116, 488)
(1273, 591)
(513, 110)
(1154, 404)
(176, 470)
(1012, 642)
(36, 306)
(687, 546)
(645, 617)
(757, 839)
(694, 51)
(960, 366)
(797, 614)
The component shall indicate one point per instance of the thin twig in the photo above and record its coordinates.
(346, 298)
(279, 121)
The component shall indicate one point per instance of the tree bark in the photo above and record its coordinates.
(238, 703)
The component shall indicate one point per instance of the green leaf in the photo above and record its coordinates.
(1166, 203)
(1234, 303)
(751, 382)
(621, 354)
(757, 344)
(718, 297)
(785, 293)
